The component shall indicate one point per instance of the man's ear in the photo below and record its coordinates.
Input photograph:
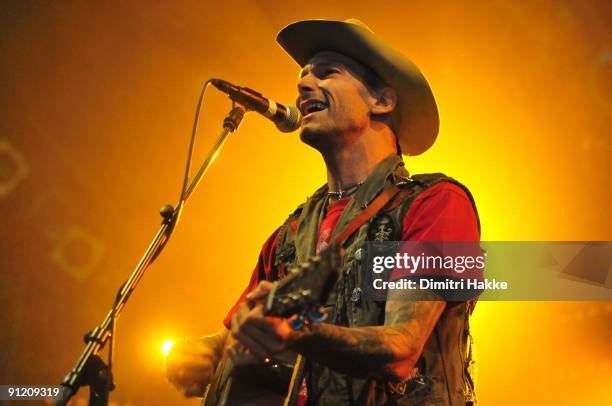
(385, 102)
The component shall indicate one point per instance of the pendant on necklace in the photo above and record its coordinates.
(341, 194)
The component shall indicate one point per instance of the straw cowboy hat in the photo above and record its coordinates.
(415, 119)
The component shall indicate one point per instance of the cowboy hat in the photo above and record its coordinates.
(415, 119)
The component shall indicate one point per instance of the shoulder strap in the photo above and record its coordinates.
(373, 208)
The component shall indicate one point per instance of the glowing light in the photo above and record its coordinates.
(166, 346)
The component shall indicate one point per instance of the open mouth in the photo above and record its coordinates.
(313, 106)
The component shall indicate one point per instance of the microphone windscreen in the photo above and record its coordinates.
(292, 121)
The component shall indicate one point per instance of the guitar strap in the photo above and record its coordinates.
(377, 204)
(370, 211)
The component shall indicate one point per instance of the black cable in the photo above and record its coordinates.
(173, 220)
(179, 207)
(191, 145)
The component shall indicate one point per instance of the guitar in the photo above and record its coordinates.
(299, 295)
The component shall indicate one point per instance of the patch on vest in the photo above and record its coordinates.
(286, 256)
(382, 228)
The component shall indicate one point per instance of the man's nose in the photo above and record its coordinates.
(307, 84)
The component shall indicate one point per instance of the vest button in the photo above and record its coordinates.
(356, 295)
(359, 254)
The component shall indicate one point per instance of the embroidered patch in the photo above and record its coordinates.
(381, 229)
(286, 256)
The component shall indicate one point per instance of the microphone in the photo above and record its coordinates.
(286, 118)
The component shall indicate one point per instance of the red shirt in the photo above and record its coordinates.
(441, 213)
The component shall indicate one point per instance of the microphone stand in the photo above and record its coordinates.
(90, 370)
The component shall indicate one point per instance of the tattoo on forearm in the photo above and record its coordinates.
(385, 352)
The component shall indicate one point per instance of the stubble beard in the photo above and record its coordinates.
(320, 139)
(329, 137)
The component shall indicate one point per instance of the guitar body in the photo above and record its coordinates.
(301, 294)
(265, 384)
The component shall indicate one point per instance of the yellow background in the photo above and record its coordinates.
(97, 102)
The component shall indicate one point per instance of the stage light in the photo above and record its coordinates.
(166, 346)
(13, 167)
(77, 252)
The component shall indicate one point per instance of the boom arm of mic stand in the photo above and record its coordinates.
(90, 369)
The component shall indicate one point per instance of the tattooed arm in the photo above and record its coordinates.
(386, 352)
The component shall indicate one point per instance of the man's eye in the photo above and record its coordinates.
(327, 72)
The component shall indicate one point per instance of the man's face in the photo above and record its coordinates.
(334, 100)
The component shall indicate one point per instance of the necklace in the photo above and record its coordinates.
(342, 193)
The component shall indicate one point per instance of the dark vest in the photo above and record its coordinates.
(442, 374)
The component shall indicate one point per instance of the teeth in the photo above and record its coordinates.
(317, 106)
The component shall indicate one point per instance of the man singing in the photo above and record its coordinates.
(363, 105)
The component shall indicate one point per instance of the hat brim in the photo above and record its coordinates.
(416, 116)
